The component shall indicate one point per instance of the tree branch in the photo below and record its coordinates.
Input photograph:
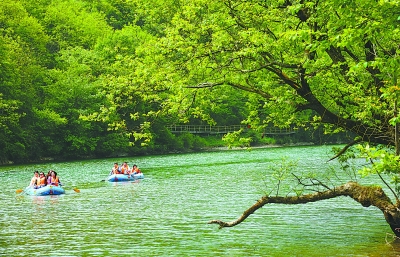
(206, 85)
(250, 89)
(384, 181)
(365, 195)
(367, 133)
(344, 149)
(370, 55)
(313, 183)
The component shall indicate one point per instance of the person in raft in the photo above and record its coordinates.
(125, 168)
(34, 179)
(135, 170)
(41, 181)
(53, 179)
(48, 174)
(116, 169)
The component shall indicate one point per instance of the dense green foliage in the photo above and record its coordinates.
(103, 78)
(83, 79)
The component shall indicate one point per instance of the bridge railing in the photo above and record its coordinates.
(203, 129)
(279, 131)
(207, 129)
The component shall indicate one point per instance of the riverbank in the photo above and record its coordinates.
(226, 148)
(202, 149)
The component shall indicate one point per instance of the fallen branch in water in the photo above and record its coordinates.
(365, 195)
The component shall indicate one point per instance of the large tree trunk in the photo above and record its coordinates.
(365, 195)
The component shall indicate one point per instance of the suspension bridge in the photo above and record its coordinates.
(207, 129)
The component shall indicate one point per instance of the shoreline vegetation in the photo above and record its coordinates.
(169, 143)
(202, 149)
(191, 143)
(225, 148)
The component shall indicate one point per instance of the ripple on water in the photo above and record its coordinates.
(166, 214)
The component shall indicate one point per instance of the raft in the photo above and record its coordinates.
(47, 190)
(123, 177)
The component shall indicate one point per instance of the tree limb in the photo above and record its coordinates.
(365, 195)
(250, 89)
(205, 85)
(344, 149)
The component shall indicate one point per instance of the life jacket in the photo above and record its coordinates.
(124, 169)
(54, 181)
(116, 170)
(136, 170)
(41, 181)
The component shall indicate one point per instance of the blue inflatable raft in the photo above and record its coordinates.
(122, 177)
(47, 190)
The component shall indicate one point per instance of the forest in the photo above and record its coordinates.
(87, 79)
(82, 79)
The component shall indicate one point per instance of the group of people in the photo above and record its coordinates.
(124, 169)
(39, 179)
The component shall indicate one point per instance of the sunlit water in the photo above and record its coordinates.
(166, 214)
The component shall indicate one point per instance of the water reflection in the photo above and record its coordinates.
(41, 200)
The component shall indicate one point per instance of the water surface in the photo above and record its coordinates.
(166, 214)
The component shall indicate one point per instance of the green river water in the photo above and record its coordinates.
(166, 213)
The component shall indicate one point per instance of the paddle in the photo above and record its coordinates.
(19, 191)
(76, 190)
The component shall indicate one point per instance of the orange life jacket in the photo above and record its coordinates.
(41, 181)
(116, 170)
(124, 169)
(136, 170)
(54, 181)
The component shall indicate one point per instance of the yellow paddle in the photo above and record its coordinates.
(77, 190)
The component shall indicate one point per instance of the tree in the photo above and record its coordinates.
(71, 24)
(327, 63)
(22, 68)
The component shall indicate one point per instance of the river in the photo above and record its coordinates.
(166, 213)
